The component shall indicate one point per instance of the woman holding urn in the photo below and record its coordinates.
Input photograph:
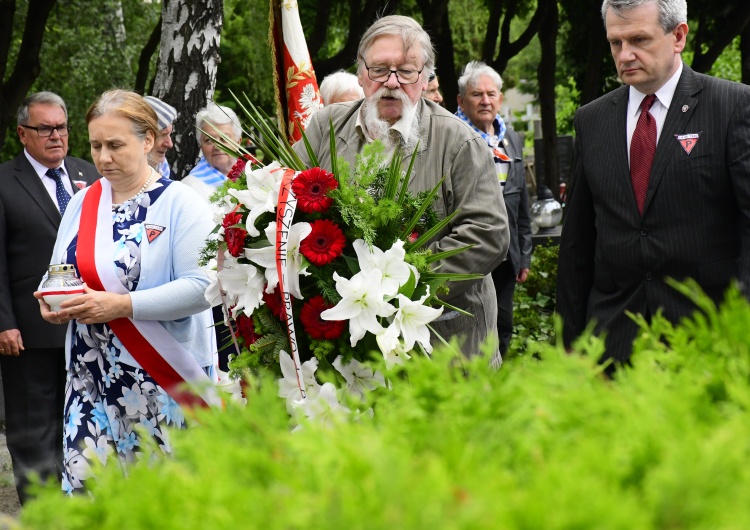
(139, 343)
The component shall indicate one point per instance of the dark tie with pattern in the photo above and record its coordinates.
(63, 197)
(642, 149)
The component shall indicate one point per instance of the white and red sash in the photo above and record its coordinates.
(158, 352)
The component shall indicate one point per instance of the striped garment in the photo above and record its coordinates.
(207, 174)
(163, 169)
(498, 123)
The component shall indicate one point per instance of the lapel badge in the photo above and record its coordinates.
(688, 141)
(153, 231)
(685, 108)
(505, 142)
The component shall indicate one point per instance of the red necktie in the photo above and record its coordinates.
(642, 149)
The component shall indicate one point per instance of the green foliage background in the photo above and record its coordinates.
(546, 442)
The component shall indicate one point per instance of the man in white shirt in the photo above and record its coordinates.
(35, 188)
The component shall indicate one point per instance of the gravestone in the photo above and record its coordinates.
(564, 159)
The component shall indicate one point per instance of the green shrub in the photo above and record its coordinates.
(547, 442)
(534, 302)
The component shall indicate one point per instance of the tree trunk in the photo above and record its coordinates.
(546, 77)
(186, 71)
(592, 79)
(27, 66)
(144, 61)
(437, 24)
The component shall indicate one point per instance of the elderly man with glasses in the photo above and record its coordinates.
(395, 58)
(35, 188)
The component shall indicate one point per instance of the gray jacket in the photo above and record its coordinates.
(449, 148)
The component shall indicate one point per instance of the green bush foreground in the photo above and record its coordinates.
(542, 444)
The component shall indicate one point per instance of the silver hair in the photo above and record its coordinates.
(40, 98)
(214, 114)
(473, 71)
(671, 12)
(338, 84)
(411, 34)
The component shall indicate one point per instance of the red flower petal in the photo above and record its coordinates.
(325, 243)
(235, 238)
(231, 219)
(275, 303)
(315, 326)
(237, 169)
(246, 329)
(311, 188)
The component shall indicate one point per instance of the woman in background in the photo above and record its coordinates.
(214, 165)
(143, 327)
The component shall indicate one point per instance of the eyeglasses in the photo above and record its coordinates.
(45, 131)
(380, 74)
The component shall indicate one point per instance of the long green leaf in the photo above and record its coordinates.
(437, 256)
(332, 138)
(310, 153)
(394, 174)
(450, 276)
(429, 234)
(406, 232)
(450, 306)
(407, 176)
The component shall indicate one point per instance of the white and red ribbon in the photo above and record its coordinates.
(284, 214)
(152, 346)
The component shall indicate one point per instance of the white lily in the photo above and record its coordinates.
(395, 271)
(242, 283)
(221, 208)
(324, 407)
(261, 195)
(288, 387)
(295, 265)
(359, 377)
(361, 304)
(411, 320)
(391, 347)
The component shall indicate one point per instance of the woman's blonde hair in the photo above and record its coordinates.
(127, 104)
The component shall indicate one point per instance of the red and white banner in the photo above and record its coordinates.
(297, 94)
(158, 353)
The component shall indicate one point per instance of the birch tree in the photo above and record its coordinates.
(186, 70)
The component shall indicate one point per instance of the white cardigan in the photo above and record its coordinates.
(171, 286)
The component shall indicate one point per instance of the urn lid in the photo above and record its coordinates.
(62, 268)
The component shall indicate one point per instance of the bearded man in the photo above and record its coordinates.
(395, 58)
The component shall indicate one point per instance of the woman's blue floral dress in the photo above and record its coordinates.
(105, 399)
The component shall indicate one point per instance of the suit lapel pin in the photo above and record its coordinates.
(685, 108)
(505, 142)
(688, 141)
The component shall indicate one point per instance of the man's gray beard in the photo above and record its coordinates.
(379, 129)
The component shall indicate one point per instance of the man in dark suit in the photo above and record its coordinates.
(479, 99)
(660, 186)
(34, 187)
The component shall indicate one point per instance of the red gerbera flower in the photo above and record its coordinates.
(315, 326)
(311, 188)
(235, 238)
(324, 244)
(275, 303)
(246, 329)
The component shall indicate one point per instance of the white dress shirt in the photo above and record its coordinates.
(49, 183)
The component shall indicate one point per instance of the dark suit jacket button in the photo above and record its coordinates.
(644, 232)
(649, 276)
